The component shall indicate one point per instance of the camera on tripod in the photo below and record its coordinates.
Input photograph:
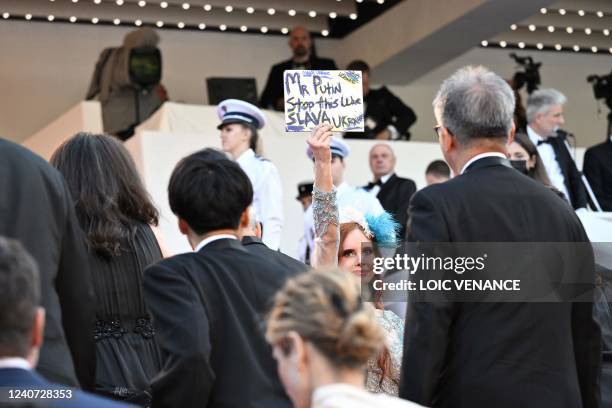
(602, 87)
(530, 74)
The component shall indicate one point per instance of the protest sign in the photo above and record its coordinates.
(314, 97)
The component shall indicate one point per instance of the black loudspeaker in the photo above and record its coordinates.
(220, 89)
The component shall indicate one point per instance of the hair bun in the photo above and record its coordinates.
(361, 337)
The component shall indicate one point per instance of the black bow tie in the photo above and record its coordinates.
(374, 183)
(544, 141)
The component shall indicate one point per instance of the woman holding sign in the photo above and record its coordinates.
(240, 122)
(340, 235)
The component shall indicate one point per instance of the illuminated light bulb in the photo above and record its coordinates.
(138, 23)
(513, 27)
(202, 26)
(312, 13)
(95, 20)
(562, 12)
(569, 30)
(291, 12)
(333, 15)
(503, 44)
(163, 4)
(558, 47)
(222, 27)
(243, 28)
(484, 43)
(250, 10)
(284, 30)
(160, 24)
(186, 6)
(271, 11)
(532, 27)
(324, 33)
(28, 16)
(539, 46)
(207, 7)
(521, 44)
(229, 9)
(551, 29)
(264, 29)
(116, 21)
(180, 25)
(353, 16)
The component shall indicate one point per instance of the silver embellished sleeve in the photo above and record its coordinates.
(327, 232)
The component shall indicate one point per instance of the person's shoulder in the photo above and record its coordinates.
(177, 263)
(404, 180)
(326, 61)
(281, 66)
(600, 148)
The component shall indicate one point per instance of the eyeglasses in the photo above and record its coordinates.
(437, 130)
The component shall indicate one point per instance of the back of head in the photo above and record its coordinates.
(358, 65)
(19, 298)
(325, 309)
(542, 100)
(108, 193)
(438, 168)
(476, 103)
(209, 192)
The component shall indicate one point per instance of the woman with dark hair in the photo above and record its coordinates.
(523, 149)
(116, 214)
(341, 238)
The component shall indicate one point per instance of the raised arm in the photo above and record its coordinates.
(325, 207)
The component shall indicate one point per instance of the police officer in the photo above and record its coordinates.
(240, 122)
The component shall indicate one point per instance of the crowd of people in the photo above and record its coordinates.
(92, 302)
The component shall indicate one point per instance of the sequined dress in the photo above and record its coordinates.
(327, 241)
(127, 356)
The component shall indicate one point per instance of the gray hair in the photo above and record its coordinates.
(476, 103)
(542, 100)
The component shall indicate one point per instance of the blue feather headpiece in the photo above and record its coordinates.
(384, 228)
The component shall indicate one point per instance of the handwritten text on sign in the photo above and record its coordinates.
(314, 97)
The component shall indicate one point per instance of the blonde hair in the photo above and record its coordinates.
(325, 309)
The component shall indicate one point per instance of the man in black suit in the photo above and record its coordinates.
(22, 322)
(545, 117)
(208, 305)
(598, 170)
(303, 58)
(386, 116)
(250, 236)
(393, 192)
(36, 209)
(513, 354)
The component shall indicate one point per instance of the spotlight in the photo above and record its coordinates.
(180, 25)
(222, 27)
(353, 16)
(28, 16)
(138, 23)
(7, 15)
(291, 12)
(284, 30)
(142, 3)
(50, 17)
(163, 4)
(587, 31)
(576, 48)
(484, 43)
(551, 29)
(562, 12)
(116, 21)
(119, 2)
(95, 20)
(521, 44)
(207, 7)
(594, 49)
(324, 33)
(558, 47)
(600, 14)
(503, 44)
(264, 29)
(185, 6)
(333, 15)
(532, 27)
(271, 11)
(606, 32)
(312, 13)
(229, 9)
(202, 26)
(243, 28)
(539, 46)
(160, 24)
(569, 30)
(72, 19)
(581, 13)
(513, 27)
(543, 10)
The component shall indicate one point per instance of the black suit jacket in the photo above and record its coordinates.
(394, 196)
(598, 170)
(498, 354)
(255, 246)
(274, 85)
(17, 378)
(208, 310)
(36, 209)
(573, 181)
(385, 109)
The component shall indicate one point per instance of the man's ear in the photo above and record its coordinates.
(447, 141)
(38, 328)
(183, 226)
(512, 133)
(244, 219)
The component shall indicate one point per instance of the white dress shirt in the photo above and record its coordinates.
(349, 396)
(482, 156)
(15, 362)
(347, 197)
(267, 195)
(547, 153)
(376, 189)
(212, 238)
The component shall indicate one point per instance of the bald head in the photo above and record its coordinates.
(300, 43)
(382, 160)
